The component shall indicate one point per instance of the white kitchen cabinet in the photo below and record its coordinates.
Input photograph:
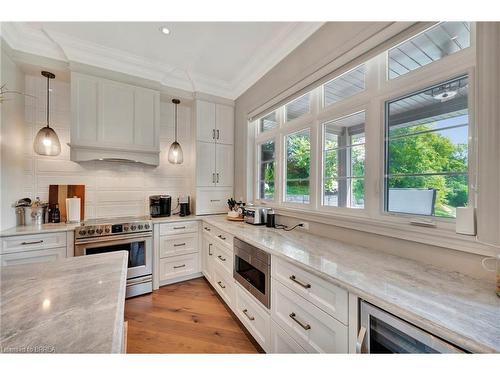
(309, 326)
(178, 228)
(17, 244)
(205, 160)
(207, 257)
(177, 267)
(224, 119)
(224, 285)
(33, 256)
(113, 120)
(205, 121)
(254, 317)
(214, 156)
(178, 244)
(223, 258)
(282, 342)
(224, 162)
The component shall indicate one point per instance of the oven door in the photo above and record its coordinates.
(382, 332)
(138, 246)
(253, 274)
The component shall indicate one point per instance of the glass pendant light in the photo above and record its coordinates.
(175, 155)
(46, 140)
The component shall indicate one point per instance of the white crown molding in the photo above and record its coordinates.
(58, 46)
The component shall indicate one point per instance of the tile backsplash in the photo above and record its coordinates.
(111, 189)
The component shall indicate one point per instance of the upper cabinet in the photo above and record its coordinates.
(214, 122)
(113, 120)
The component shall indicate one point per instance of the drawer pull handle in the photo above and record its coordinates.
(214, 200)
(183, 265)
(221, 285)
(221, 237)
(248, 316)
(207, 229)
(31, 243)
(218, 133)
(179, 244)
(305, 326)
(209, 249)
(176, 228)
(221, 258)
(302, 284)
(217, 178)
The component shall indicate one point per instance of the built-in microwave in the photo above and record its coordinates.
(252, 270)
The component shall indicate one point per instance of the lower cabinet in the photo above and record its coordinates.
(207, 257)
(282, 342)
(254, 317)
(178, 266)
(33, 256)
(309, 326)
(224, 284)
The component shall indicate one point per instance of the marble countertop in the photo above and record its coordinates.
(460, 309)
(74, 305)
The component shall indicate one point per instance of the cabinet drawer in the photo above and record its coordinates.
(178, 244)
(223, 237)
(311, 327)
(281, 342)
(178, 266)
(212, 200)
(328, 297)
(32, 242)
(224, 285)
(178, 228)
(254, 318)
(223, 259)
(33, 256)
(207, 229)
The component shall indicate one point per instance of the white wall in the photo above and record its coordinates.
(112, 189)
(11, 139)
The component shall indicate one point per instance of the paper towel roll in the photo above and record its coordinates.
(73, 210)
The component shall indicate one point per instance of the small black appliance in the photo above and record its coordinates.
(160, 205)
(184, 206)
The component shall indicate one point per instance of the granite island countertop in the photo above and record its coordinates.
(74, 305)
(458, 308)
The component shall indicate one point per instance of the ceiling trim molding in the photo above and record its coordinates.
(58, 46)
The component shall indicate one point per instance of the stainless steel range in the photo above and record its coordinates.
(132, 234)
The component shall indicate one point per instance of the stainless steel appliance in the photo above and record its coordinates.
(256, 215)
(160, 205)
(134, 235)
(252, 270)
(382, 332)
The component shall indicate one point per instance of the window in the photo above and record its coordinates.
(344, 86)
(442, 40)
(268, 122)
(298, 160)
(298, 107)
(427, 150)
(344, 161)
(266, 170)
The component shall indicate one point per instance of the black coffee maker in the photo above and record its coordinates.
(160, 205)
(184, 206)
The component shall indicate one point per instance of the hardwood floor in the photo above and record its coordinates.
(188, 317)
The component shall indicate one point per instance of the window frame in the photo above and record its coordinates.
(259, 164)
(378, 90)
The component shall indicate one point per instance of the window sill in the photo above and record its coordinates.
(441, 237)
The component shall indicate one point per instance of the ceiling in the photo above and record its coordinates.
(219, 58)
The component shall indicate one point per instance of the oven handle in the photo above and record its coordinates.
(113, 238)
(361, 340)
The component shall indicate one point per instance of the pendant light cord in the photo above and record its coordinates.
(48, 92)
(175, 122)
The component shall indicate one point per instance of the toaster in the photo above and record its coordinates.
(256, 215)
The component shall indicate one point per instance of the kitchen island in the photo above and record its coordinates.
(74, 305)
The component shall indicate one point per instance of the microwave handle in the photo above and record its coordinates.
(361, 341)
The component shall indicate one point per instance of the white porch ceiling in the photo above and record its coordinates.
(218, 58)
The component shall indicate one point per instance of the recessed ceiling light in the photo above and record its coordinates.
(165, 30)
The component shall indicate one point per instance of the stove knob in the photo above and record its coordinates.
(91, 231)
(106, 230)
(98, 231)
(125, 229)
(133, 227)
(140, 226)
(146, 226)
(82, 233)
